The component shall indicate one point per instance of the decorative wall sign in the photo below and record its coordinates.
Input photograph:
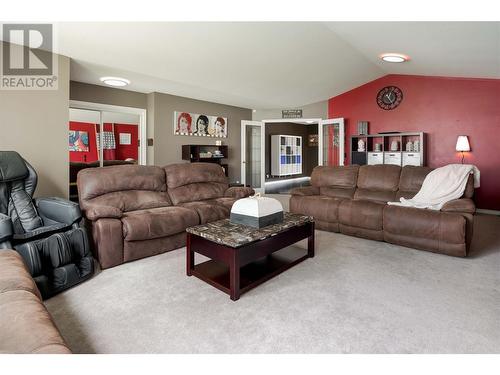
(78, 141)
(291, 113)
(199, 125)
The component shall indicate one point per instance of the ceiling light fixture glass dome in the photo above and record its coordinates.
(115, 81)
(394, 57)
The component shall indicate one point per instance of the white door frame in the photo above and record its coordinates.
(331, 121)
(244, 123)
(262, 123)
(77, 104)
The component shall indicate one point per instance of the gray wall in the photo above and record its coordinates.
(35, 124)
(168, 147)
(86, 92)
(314, 110)
(150, 132)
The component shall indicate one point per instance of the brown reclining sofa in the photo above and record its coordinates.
(137, 211)
(25, 324)
(353, 200)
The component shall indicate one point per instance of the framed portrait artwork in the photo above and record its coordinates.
(199, 125)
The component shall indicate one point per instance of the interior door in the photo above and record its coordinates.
(331, 142)
(252, 155)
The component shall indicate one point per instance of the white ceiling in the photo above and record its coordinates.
(274, 64)
(454, 49)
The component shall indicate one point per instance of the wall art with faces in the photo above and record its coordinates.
(197, 125)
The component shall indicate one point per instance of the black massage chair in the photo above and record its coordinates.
(45, 231)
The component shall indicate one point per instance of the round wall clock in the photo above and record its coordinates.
(389, 97)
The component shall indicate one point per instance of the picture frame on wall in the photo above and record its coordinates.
(313, 140)
(78, 141)
(199, 125)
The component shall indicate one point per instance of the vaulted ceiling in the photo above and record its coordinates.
(273, 64)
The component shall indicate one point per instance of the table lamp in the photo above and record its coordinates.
(462, 145)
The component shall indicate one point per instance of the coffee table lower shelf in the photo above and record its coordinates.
(217, 273)
(235, 270)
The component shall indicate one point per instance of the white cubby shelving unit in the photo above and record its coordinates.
(286, 155)
(384, 155)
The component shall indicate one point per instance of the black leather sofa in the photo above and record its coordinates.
(45, 231)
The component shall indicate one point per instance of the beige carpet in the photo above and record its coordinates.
(355, 296)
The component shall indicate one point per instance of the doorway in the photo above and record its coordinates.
(285, 151)
(102, 135)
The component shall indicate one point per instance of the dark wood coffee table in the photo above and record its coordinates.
(242, 257)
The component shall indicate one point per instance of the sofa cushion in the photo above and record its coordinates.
(128, 200)
(425, 224)
(361, 214)
(337, 192)
(225, 202)
(411, 181)
(93, 182)
(412, 178)
(321, 207)
(344, 176)
(14, 275)
(305, 190)
(208, 211)
(196, 192)
(378, 182)
(157, 222)
(469, 188)
(379, 177)
(190, 182)
(381, 196)
(239, 192)
(26, 326)
(436, 230)
(336, 182)
(133, 250)
(465, 205)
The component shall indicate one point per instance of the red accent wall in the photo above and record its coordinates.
(443, 108)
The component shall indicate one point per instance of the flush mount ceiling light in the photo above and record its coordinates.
(115, 81)
(394, 57)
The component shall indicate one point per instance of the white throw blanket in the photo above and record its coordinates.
(442, 185)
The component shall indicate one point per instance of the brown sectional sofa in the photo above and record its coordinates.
(353, 200)
(137, 211)
(25, 324)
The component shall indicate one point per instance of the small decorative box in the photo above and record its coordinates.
(257, 211)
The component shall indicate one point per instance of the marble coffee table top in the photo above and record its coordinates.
(235, 235)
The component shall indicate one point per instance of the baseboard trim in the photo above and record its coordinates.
(488, 212)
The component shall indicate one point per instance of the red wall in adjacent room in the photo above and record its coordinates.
(443, 108)
(127, 151)
(121, 152)
(91, 155)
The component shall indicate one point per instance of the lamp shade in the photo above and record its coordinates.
(462, 143)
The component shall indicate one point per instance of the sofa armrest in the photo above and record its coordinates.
(94, 212)
(239, 192)
(58, 209)
(306, 190)
(6, 229)
(460, 205)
